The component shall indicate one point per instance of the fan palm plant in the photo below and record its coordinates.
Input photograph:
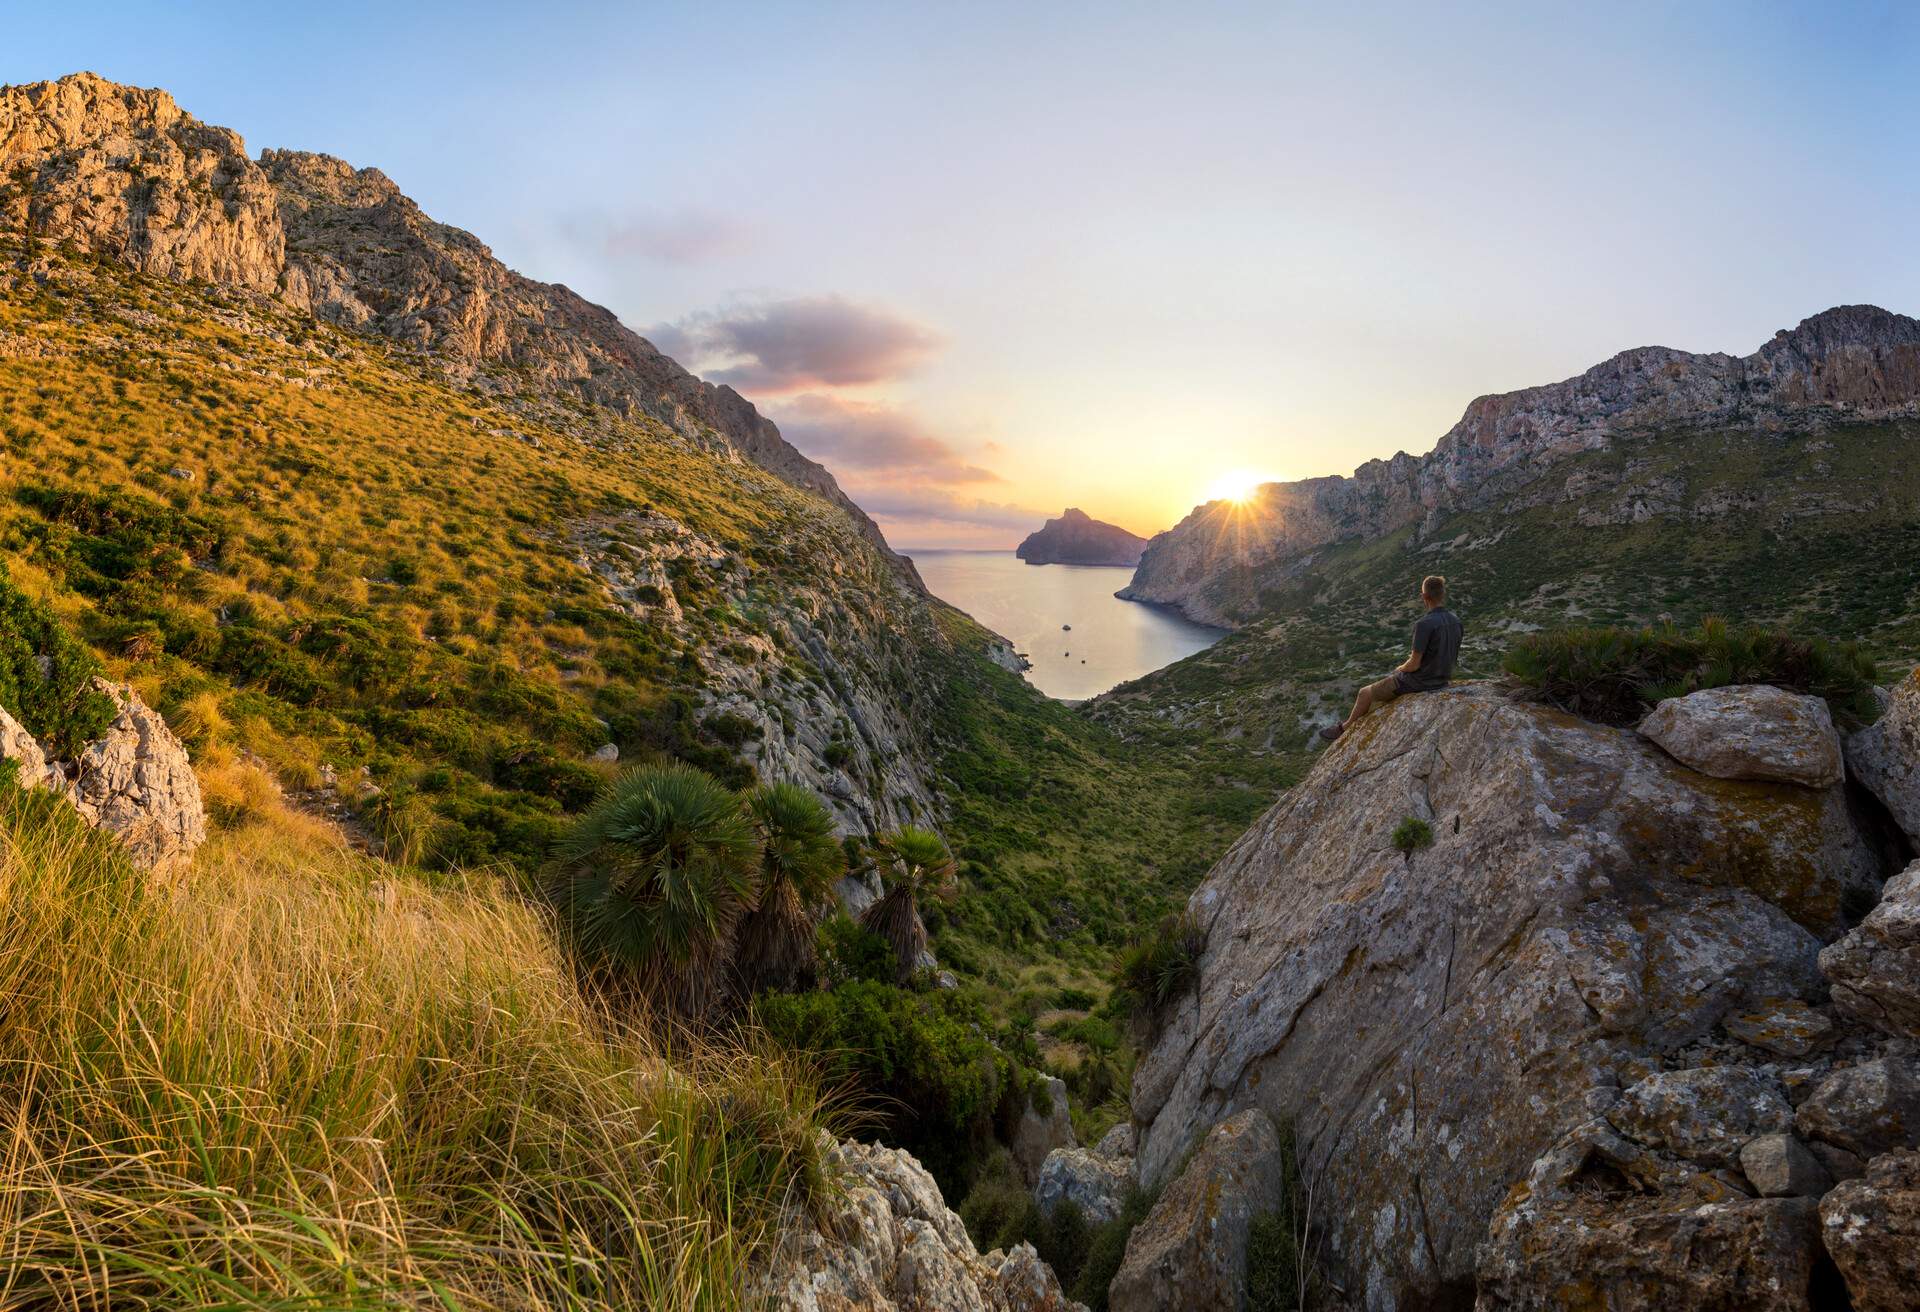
(799, 859)
(912, 863)
(652, 880)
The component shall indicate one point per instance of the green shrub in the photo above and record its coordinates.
(46, 676)
(1107, 1248)
(731, 728)
(849, 951)
(924, 1063)
(1065, 1240)
(1281, 1272)
(1412, 834)
(1164, 965)
(999, 1210)
(1613, 675)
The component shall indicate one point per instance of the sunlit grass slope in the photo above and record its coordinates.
(297, 1078)
(330, 548)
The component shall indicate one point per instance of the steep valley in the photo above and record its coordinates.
(404, 563)
(443, 548)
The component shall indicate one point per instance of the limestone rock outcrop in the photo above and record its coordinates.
(1872, 1229)
(1191, 1251)
(1095, 1184)
(1875, 969)
(1885, 756)
(32, 769)
(1847, 363)
(125, 173)
(1041, 1130)
(135, 781)
(1435, 1026)
(1077, 538)
(891, 1244)
(1750, 731)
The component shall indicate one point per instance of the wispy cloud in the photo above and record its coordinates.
(667, 237)
(777, 347)
(879, 441)
(923, 487)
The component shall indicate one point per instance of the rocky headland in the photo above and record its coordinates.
(1850, 364)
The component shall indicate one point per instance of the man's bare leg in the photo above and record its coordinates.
(1361, 705)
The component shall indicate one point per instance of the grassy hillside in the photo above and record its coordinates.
(301, 1078)
(398, 594)
(1820, 533)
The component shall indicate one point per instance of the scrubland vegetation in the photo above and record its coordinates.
(1615, 675)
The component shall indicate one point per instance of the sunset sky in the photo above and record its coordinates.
(987, 261)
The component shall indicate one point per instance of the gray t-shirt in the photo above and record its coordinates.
(1437, 638)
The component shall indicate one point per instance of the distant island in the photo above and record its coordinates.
(1076, 538)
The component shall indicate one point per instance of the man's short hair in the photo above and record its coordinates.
(1434, 588)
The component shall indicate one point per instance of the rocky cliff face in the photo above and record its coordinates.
(1076, 538)
(125, 173)
(1851, 363)
(1530, 1059)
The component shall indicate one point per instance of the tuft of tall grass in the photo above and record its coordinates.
(296, 1078)
(1164, 965)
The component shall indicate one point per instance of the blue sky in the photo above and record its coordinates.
(991, 260)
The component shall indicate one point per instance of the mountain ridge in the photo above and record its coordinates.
(125, 172)
(1847, 364)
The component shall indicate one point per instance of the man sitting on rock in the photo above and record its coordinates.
(1436, 646)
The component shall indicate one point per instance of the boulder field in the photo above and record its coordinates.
(1631, 1033)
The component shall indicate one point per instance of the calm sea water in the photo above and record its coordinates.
(1111, 641)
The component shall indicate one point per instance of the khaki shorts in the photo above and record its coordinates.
(1385, 690)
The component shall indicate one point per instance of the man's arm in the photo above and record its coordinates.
(1422, 635)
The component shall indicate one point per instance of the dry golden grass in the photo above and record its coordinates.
(298, 1078)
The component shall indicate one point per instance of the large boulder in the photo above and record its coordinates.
(889, 1243)
(1601, 1224)
(1867, 1108)
(1704, 1115)
(1431, 1023)
(1885, 757)
(1875, 970)
(136, 783)
(1042, 1129)
(1750, 731)
(1191, 1251)
(1096, 1185)
(1872, 1229)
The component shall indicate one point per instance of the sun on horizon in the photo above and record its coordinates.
(1238, 485)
